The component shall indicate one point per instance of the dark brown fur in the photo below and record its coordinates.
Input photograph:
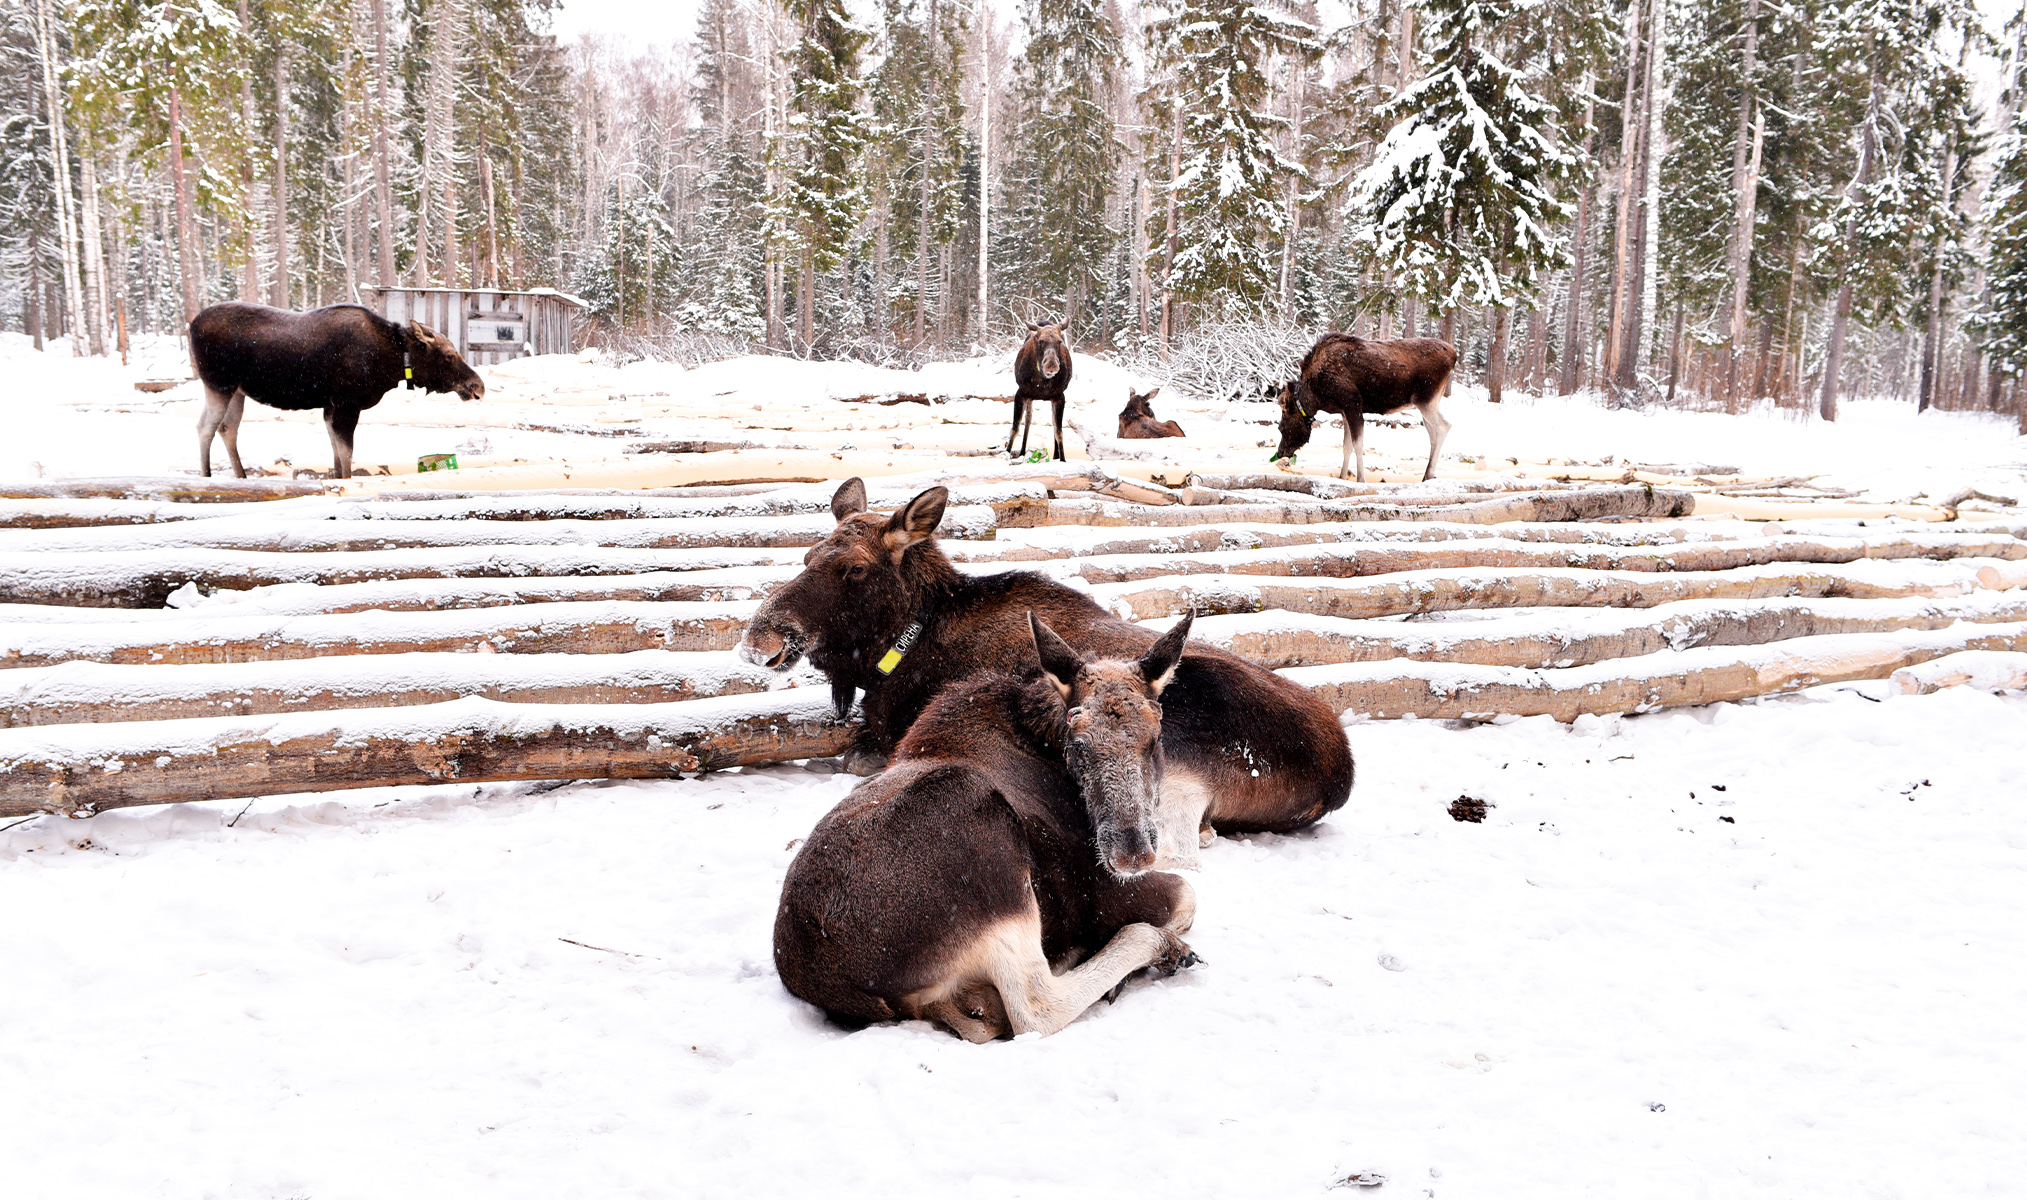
(1353, 376)
(342, 359)
(1041, 372)
(1010, 836)
(1137, 419)
(1266, 753)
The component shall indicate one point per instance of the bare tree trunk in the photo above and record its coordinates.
(31, 303)
(186, 236)
(1931, 342)
(986, 93)
(1675, 352)
(1745, 167)
(1288, 244)
(1495, 359)
(1840, 322)
(93, 249)
(249, 270)
(1168, 253)
(1629, 153)
(66, 222)
(1639, 291)
(383, 182)
(278, 290)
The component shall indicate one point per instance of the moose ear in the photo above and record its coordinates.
(916, 520)
(1151, 395)
(1058, 659)
(849, 498)
(1157, 666)
(1033, 328)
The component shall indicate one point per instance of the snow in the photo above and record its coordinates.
(1766, 949)
(1821, 996)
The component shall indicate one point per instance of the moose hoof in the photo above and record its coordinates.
(865, 762)
(1175, 955)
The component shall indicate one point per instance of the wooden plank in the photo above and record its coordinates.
(81, 769)
(1643, 684)
(102, 692)
(611, 627)
(182, 489)
(1575, 505)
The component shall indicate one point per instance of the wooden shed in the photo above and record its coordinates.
(486, 327)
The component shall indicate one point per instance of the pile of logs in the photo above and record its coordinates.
(168, 641)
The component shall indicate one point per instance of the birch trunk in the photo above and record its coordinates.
(278, 228)
(186, 238)
(1572, 352)
(383, 185)
(66, 220)
(1745, 185)
(1840, 322)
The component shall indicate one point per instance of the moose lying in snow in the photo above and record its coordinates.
(1041, 372)
(340, 359)
(880, 607)
(1137, 419)
(1353, 376)
(1014, 832)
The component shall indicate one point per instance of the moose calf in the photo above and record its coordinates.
(1014, 833)
(1137, 419)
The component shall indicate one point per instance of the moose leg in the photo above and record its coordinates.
(1027, 406)
(1061, 403)
(1432, 420)
(208, 421)
(341, 422)
(1040, 1001)
(228, 432)
(1354, 444)
(1020, 405)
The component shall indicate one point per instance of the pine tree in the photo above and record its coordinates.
(2000, 322)
(1460, 202)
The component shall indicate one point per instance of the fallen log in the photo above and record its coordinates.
(1985, 670)
(1588, 504)
(77, 770)
(1346, 561)
(1669, 679)
(1462, 588)
(356, 536)
(183, 489)
(146, 579)
(99, 692)
(612, 627)
(1573, 637)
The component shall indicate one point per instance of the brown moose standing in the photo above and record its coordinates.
(1353, 376)
(880, 607)
(1013, 835)
(342, 359)
(1041, 372)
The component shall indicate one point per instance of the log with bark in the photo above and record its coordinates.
(1985, 670)
(182, 489)
(82, 769)
(1461, 588)
(355, 536)
(1588, 504)
(1669, 679)
(1346, 561)
(1572, 637)
(102, 692)
(610, 627)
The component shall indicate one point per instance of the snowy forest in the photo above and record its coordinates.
(1703, 202)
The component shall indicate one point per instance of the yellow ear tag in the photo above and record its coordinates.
(889, 661)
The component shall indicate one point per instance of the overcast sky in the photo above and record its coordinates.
(646, 22)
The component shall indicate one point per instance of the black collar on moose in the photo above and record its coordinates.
(407, 372)
(892, 658)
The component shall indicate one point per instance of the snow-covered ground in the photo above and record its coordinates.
(1769, 949)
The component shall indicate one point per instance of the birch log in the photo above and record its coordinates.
(77, 770)
(1643, 684)
(1447, 590)
(99, 692)
(1563, 638)
(1986, 670)
(612, 627)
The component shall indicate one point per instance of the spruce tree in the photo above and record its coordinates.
(1229, 204)
(817, 209)
(1065, 162)
(1461, 201)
